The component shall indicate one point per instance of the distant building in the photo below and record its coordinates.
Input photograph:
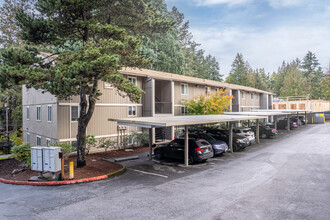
(301, 103)
(46, 119)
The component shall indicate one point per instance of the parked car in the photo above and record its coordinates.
(199, 150)
(245, 132)
(218, 146)
(283, 124)
(239, 143)
(302, 120)
(270, 124)
(265, 131)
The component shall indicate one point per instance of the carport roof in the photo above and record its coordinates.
(266, 113)
(283, 111)
(166, 121)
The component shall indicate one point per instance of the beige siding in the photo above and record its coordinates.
(63, 115)
(248, 102)
(109, 95)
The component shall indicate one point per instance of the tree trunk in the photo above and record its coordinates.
(84, 118)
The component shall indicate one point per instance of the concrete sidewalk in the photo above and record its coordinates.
(6, 156)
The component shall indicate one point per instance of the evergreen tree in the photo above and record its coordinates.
(102, 49)
(313, 74)
(239, 71)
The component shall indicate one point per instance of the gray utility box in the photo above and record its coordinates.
(46, 159)
(37, 158)
(51, 158)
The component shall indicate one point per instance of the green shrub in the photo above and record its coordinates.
(67, 148)
(22, 153)
(90, 142)
(106, 143)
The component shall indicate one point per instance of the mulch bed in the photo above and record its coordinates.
(96, 166)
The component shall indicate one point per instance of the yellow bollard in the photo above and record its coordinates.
(71, 173)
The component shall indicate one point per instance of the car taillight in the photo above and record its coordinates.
(294, 123)
(247, 135)
(199, 149)
(274, 130)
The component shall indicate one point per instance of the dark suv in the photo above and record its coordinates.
(265, 131)
(199, 150)
(239, 143)
(283, 124)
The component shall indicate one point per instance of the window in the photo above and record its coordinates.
(131, 110)
(184, 110)
(74, 113)
(27, 137)
(243, 95)
(184, 89)
(243, 109)
(207, 90)
(38, 113)
(257, 95)
(48, 142)
(28, 113)
(108, 85)
(252, 95)
(49, 113)
(38, 140)
(132, 79)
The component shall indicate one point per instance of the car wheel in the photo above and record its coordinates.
(190, 160)
(235, 147)
(213, 153)
(263, 136)
(158, 155)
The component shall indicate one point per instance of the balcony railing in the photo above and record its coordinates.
(163, 107)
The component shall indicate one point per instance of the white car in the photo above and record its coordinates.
(245, 132)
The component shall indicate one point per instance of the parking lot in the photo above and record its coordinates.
(282, 178)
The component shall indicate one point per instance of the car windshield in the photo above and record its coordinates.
(201, 143)
(207, 138)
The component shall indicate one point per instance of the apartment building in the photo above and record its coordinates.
(47, 119)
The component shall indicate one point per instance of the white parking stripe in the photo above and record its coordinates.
(144, 172)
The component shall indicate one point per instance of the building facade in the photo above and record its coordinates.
(47, 120)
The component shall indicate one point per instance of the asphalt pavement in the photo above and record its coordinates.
(283, 178)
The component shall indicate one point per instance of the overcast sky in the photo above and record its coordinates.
(266, 32)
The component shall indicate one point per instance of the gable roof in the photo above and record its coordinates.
(187, 79)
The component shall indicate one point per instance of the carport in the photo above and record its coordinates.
(287, 113)
(167, 121)
(259, 113)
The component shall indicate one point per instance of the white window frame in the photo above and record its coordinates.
(48, 142)
(38, 137)
(132, 79)
(71, 112)
(108, 85)
(40, 117)
(252, 95)
(50, 119)
(185, 91)
(28, 136)
(130, 109)
(28, 113)
(243, 95)
(184, 110)
(207, 90)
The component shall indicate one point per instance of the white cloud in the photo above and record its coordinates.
(285, 3)
(221, 2)
(264, 49)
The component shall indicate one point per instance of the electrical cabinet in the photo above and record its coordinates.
(37, 158)
(51, 159)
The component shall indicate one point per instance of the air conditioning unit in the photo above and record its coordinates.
(37, 158)
(52, 159)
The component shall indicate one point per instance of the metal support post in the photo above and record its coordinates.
(298, 119)
(288, 122)
(305, 117)
(150, 142)
(248, 123)
(186, 146)
(257, 132)
(231, 137)
(275, 123)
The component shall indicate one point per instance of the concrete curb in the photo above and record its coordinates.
(65, 182)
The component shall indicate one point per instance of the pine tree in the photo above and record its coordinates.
(239, 71)
(102, 48)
